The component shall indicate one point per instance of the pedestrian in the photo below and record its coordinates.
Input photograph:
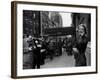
(59, 45)
(37, 55)
(51, 49)
(43, 52)
(80, 46)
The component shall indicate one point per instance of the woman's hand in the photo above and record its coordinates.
(75, 50)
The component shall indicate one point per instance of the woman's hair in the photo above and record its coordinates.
(83, 25)
(85, 32)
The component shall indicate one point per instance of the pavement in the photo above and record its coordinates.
(60, 61)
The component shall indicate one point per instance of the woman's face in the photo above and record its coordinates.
(81, 30)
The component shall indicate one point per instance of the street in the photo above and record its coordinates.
(60, 61)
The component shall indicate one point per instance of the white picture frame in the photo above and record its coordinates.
(17, 70)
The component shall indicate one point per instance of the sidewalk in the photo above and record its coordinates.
(61, 61)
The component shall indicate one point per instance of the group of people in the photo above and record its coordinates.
(42, 48)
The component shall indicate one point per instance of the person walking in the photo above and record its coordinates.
(37, 55)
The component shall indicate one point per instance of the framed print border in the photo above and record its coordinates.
(14, 34)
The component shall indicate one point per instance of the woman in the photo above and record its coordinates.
(80, 46)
